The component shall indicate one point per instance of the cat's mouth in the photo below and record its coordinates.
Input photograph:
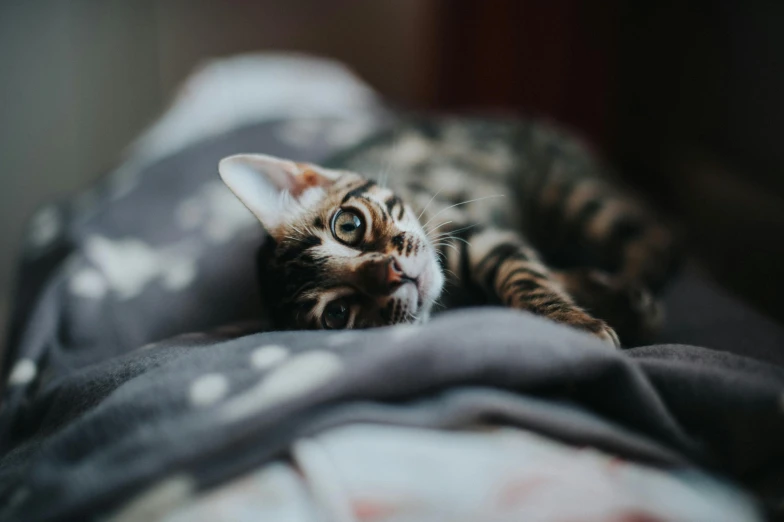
(418, 283)
(428, 286)
(410, 300)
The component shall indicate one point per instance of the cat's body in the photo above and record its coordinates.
(515, 213)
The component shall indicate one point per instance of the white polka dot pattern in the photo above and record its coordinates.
(24, 372)
(298, 376)
(268, 356)
(88, 283)
(208, 389)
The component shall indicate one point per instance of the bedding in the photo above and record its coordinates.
(140, 385)
(372, 472)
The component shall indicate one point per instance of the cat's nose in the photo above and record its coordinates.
(382, 276)
(395, 274)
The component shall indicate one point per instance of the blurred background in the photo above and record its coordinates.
(685, 98)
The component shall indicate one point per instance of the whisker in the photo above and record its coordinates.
(428, 232)
(447, 245)
(444, 234)
(428, 204)
(298, 230)
(453, 247)
(449, 237)
(441, 254)
(383, 178)
(451, 272)
(462, 203)
(461, 239)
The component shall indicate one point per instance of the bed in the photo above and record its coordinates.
(141, 385)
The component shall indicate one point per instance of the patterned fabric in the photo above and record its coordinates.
(366, 472)
(161, 231)
(109, 397)
(197, 411)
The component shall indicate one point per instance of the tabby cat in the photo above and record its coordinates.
(446, 212)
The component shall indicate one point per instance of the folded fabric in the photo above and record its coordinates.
(210, 409)
(370, 472)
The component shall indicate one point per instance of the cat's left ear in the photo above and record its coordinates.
(261, 182)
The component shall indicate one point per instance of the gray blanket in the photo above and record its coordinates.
(212, 408)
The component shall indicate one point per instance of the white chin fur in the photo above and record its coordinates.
(433, 284)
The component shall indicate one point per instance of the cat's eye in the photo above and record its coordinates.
(336, 315)
(348, 227)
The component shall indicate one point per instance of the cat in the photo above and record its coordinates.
(442, 212)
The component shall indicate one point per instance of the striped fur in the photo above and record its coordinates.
(512, 213)
(305, 267)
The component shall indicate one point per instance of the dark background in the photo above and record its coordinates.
(685, 98)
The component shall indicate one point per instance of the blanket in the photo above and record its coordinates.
(121, 371)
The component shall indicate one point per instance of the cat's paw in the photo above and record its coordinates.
(609, 336)
(631, 308)
(582, 321)
(602, 330)
(647, 310)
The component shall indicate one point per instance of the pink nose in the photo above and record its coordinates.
(380, 276)
(395, 274)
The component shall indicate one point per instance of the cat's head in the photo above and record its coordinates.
(342, 251)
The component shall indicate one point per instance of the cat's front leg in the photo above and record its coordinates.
(508, 270)
(633, 310)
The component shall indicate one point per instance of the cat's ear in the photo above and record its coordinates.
(273, 188)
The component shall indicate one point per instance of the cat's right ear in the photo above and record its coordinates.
(273, 188)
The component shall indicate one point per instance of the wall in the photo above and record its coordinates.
(81, 78)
